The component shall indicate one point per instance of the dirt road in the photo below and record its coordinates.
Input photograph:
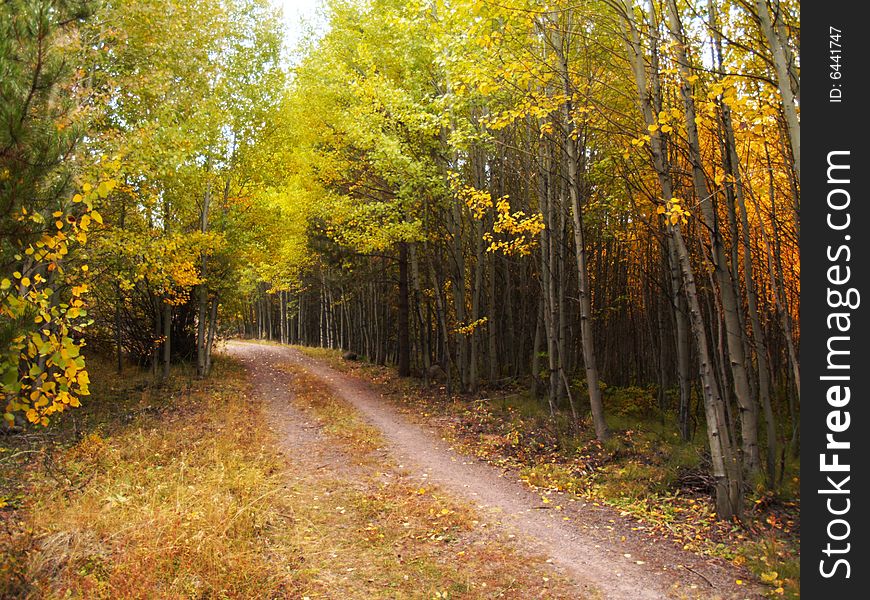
(592, 545)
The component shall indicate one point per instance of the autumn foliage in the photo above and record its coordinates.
(573, 199)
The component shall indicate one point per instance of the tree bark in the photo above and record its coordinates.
(725, 464)
(572, 157)
(746, 403)
(788, 82)
(202, 290)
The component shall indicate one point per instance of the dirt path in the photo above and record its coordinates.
(593, 545)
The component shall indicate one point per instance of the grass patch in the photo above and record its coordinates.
(776, 562)
(336, 418)
(172, 493)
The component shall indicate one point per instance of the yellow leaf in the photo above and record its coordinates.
(25, 281)
(97, 217)
(103, 189)
(660, 210)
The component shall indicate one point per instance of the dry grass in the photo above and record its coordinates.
(180, 492)
(181, 503)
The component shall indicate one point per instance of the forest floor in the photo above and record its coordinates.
(282, 477)
(256, 483)
(595, 546)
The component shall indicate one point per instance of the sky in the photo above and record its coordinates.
(297, 12)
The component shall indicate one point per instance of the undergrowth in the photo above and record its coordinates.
(153, 492)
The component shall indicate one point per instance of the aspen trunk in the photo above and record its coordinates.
(459, 294)
(651, 104)
(725, 465)
(572, 157)
(536, 350)
(202, 291)
(746, 403)
(548, 290)
(119, 299)
(424, 330)
(492, 323)
(167, 309)
(787, 80)
(212, 330)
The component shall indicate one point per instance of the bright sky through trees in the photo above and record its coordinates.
(297, 16)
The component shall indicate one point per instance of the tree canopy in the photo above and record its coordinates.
(574, 197)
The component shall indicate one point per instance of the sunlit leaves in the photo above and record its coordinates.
(674, 212)
(513, 232)
(42, 372)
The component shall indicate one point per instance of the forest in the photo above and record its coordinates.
(593, 206)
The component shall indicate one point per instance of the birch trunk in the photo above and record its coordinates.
(746, 403)
(787, 80)
(572, 158)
